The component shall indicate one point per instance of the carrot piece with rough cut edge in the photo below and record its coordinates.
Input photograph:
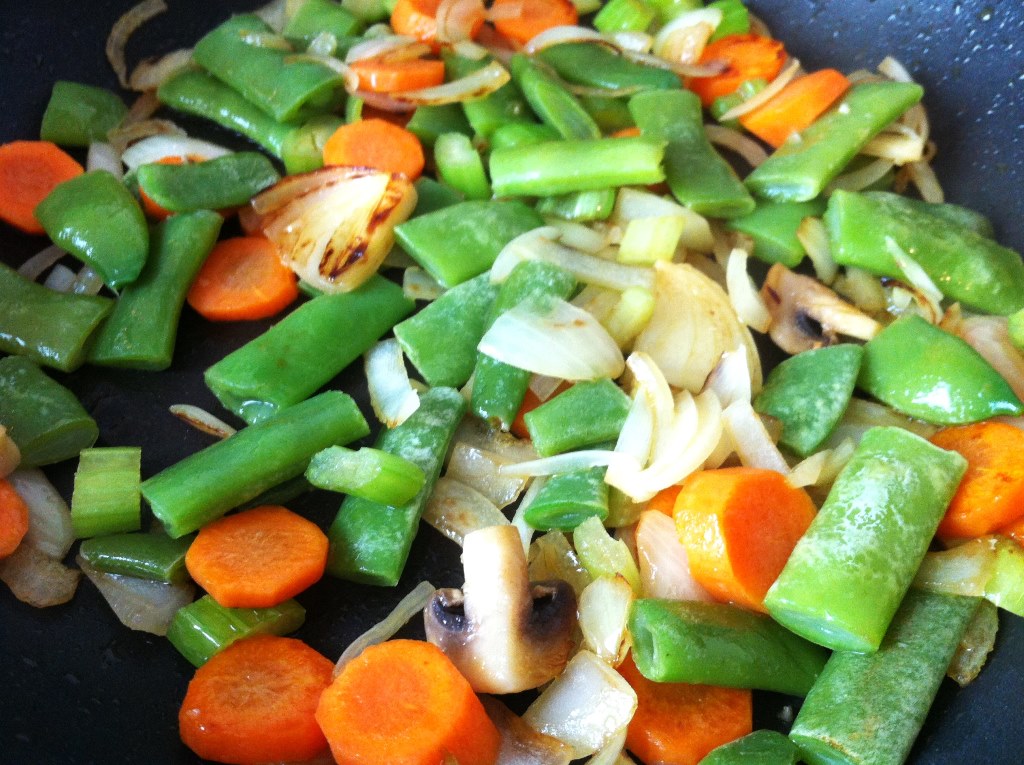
(627, 132)
(679, 722)
(796, 106)
(29, 171)
(257, 558)
(13, 519)
(746, 57)
(378, 144)
(415, 18)
(739, 526)
(665, 500)
(242, 279)
(403, 702)
(522, 20)
(151, 208)
(991, 493)
(384, 75)
(255, 702)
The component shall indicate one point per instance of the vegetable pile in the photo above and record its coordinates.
(561, 250)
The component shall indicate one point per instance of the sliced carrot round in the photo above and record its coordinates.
(665, 500)
(242, 279)
(13, 519)
(403, 702)
(29, 171)
(746, 57)
(522, 20)
(255, 702)
(416, 18)
(739, 527)
(378, 144)
(257, 558)
(379, 75)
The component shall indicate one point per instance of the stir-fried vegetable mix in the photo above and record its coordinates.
(560, 248)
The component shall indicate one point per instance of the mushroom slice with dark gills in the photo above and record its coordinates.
(504, 633)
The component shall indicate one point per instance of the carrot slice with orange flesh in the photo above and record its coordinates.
(796, 106)
(381, 75)
(991, 493)
(29, 171)
(255, 702)
(746, 57)
(13, 519)
(378, 144)
(739, 527)
(522, 20)
(415, 18)
(257, 558)
(665, 500)
(151, 208)
(680, 723)
(403, 702)
(242, 279)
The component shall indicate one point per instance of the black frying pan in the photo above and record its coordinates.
(77, 687)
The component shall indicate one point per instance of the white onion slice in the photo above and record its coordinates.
(898, 143)
(754, 445)
(202, 420)
(275, 14)
(917, 278)
(481, 470)
(456, 19)
(130, 132)
(157, 147)
(603, 615)
(782, 80)
(474, 432)
(103, 156)
(858, 180)
(34, 267)
(140, 604)
(123, 29)
(989, 336)
(479, 84)
(551, 557)
(544, 387)
(631, 204)
(87, 282)
(60, 279)
(392, 46)
(730, 379)
(578, 236)
(558, 35)
(150, 74)
(563, 463)
(746, 147)
(519, 517)
(49, 525)
(612, 752)
(407, 608)
(37, 578)
(417, 284)
(391, 394)
(635, 42)
(10, 454)
(813, 235)
(456, 509)
(682, 39)
(664, 566)
(927, 183)
(745, 297)
(585, 706)
(521, 744)
(553, 338)
(963, 570)
(471, 50)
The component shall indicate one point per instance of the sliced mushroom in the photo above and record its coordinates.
(806, 314)
(504, 633)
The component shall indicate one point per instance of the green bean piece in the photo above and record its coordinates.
(305, 350)
(499, 388)
(288, 88)
(925, 372)
(51, 328)
(597, 66)
(735, 19)
(867, 709)
(556, 425)
(215, 184)
(669, 9)
(144, 555)
(428, 123)
(140, 332)
(865, 229)
(42, 417)
(204, 628)
(502, 107)
(106, 497)
(719, 644)
(848, 573)
(762, 747)
(96, 219)
(367, 11)
(303, 148)
(808, 394)
(514, 134)
(368, 473)
(205, 485)
(697, 175)
(460, 166)
(462, 241)
(799, 170)
(773, 227)
(203, 95)
(568, 499)
(561, 167)
(78, 114)
(610, 114)
(441, 339)
(556, 106)
(624, 16)
(960, 217)
(579, 206)
(432, 196)
(316, 17)
(370, 541)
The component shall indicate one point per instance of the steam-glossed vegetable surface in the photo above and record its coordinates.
(81, 688)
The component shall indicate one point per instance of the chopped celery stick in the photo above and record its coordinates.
(603, 556)
(1005, 588)
(630, 315)
(579, 205)
(141, 555)
(368, 473)
(735, 19)
(624, 16)
(459, 165)
(201, 629)
(106, 498)
(1015, 326)
(648, 240)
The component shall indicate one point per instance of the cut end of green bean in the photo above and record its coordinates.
(368, 473)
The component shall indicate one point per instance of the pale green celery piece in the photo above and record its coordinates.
(368, 473)
(107, 497)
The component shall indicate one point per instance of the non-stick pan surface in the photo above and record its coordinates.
(77, 687)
